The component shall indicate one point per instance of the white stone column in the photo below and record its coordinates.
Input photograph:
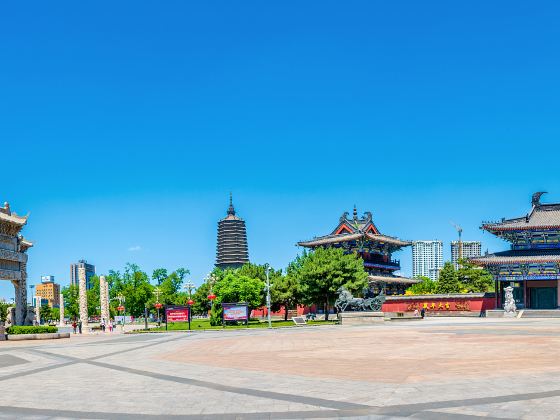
(38, 309)
(82, 290)
(104, 297)
(61, 305)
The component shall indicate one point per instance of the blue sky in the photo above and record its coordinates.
(124, 126)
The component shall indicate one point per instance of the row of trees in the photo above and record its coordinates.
(467, 279)
(312, 278)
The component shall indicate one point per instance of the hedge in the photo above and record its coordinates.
(18, 329)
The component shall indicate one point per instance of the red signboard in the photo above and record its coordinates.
(177, 314)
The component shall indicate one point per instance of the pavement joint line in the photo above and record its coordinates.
(395, 410)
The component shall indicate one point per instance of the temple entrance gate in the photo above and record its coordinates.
(13, 258)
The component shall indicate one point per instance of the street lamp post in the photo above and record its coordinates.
(211, 279)
(121, 308)
(189, 287)
(158, 305)
(267, 288)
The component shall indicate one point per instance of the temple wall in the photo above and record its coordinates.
(442, 305)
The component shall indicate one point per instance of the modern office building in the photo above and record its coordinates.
(90, 272)
(48, 290)
(427, 259)
(232, 250)
(468, 249)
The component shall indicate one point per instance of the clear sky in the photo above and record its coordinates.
(124, 125)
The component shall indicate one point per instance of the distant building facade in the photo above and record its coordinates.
(49, 291)
(470, 249)
(232, 250)
(90, 272)
(427, 259)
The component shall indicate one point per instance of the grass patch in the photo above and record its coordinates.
(204, 324)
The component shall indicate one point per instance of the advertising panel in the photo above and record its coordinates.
(177, 314)
(235, 312)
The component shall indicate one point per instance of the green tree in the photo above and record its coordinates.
(201, 303)
(55, 313)
(474, 279)
(4, 306)
(324, 270)
(45, 313)
(71, 301)
(426, 287)
(93, 299)
(235, 288)
(159, 275)
(448, 281)
(135, 286)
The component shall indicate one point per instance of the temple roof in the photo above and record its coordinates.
(355, 229)
(6, 215)
(542, 216)
(231, 211)
(392, 280)
(525, 256)
(344, 237)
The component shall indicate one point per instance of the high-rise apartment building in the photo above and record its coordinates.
(427, 258)
(90, 272)
(470, 249)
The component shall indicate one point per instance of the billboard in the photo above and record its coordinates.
(235, 312)
(177, 314)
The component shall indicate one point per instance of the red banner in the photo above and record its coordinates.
(177, 314)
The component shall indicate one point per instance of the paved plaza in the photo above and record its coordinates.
(432, 369)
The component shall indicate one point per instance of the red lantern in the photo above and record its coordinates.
(158, 305)
(212, 296)
(190, 302)
(120, 308)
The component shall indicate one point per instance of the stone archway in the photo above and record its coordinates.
(13, 258)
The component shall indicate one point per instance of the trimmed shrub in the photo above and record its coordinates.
(18, 329)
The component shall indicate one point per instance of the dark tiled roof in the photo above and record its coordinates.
(332, 239)
(519, 257)
(542, 216)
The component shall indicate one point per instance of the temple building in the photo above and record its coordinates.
(232, 250)
(532, 265)
(360, 235)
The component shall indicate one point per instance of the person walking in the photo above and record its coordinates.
(80, 326)
(423, 312)
(74, 325)
(102, 325)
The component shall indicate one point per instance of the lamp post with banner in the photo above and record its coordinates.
(121, 308)
(157, 305)
(267, 288)
(211, 280)
(189, 287)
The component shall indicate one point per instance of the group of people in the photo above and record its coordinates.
(77, 326)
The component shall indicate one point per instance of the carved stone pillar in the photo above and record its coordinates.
(21, 309)
(61, 302)
(82, 290)
(38, 310)
(20, 295)
(104, 297)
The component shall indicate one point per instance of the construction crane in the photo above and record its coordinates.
(460, 232)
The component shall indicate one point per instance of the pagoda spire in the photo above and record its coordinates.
(231, 209)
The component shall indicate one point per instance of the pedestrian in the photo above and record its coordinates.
(423, 312)
(110, 326)
(74, 325)
(80, 326)
(102, 325)
(416, 313)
